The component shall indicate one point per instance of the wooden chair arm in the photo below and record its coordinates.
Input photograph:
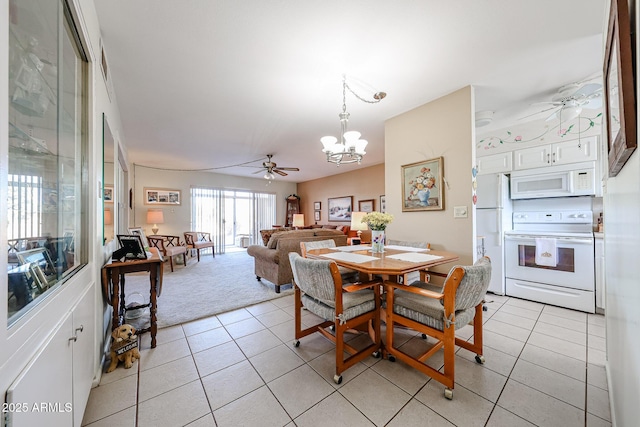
(361, 285)
(413, 289)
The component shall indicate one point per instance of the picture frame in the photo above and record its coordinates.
(619, 95)
(316, 216)
(317, 206)
(422, 185)
(383, 203)
(340, 208)
(132, 245)
(138, 231)
(41, 267)
(108, 194)
(162, 196)
(366, 205)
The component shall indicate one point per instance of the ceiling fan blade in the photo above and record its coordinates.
(594, 103)
(553, 115)
(258, 171)
(586, 90)
(279, 172)
(538, 112)
(289, 169)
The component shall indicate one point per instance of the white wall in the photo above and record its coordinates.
(445, 128)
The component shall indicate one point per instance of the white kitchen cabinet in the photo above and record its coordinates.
(495, 163)
(575, 151)
(599, 271)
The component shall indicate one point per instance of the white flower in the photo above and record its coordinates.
(377, 220)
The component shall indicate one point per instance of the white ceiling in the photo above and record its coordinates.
(212, 83)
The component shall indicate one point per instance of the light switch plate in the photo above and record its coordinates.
(460, 212)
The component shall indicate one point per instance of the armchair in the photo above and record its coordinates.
(168, 246)
(199, 240)
(318, 285)
(437, 312)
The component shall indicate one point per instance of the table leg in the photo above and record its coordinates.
(115, 298)
(153, 277)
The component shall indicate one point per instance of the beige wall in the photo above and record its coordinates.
(362, 184)
(177, 219)
(444, 128)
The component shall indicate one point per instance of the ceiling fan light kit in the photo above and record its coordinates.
(271, 168)
(349, 148)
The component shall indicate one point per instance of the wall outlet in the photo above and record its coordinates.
(460, 212)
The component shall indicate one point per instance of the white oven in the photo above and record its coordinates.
(569, 280)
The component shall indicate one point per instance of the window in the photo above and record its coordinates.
(47, 171)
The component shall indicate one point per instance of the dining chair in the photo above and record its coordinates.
(437, 311)
(347, 274)
(318, 287)
(414, 275)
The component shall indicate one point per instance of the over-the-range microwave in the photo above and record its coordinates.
(577, 179)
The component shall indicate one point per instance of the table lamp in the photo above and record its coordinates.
(298, 220)
(155, 217)
(357, 224)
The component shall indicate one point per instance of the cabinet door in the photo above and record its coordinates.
(600, 276)
(495, 163)
(582, 150)
(533, 157)
(83, 352)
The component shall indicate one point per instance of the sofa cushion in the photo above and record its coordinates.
(266, 234)
(330, 226)
(273, 241)
(325, 232)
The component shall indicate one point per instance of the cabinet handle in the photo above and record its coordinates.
(548, 161)
(553, 157)
(75, 337)
(81, 328)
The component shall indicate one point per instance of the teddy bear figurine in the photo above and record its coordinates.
(124, 347)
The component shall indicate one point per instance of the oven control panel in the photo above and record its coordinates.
(553, 217)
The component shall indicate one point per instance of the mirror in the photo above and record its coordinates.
(108, 193)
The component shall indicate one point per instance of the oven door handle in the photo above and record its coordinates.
(579, 240)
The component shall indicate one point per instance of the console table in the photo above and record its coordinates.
(113, 287)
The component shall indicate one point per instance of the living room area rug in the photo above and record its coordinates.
(201, 289)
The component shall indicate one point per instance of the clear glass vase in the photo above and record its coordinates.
(377, 241)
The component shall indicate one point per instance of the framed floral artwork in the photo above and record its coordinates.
(422, 185)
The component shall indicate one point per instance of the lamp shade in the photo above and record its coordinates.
(356, 221)
(298, 220)
(155, 216)
(108, 217)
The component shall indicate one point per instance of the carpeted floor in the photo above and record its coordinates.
(205, 288)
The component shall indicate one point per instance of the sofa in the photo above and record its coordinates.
(272, 259)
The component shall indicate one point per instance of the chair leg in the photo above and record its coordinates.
(171, 262)
(184, 258)
(198, 250)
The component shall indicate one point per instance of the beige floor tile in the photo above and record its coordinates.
(465, 409)
(549, 359)
(596, 357)
(325, 365)
(284, 331)
(539, 408)
(502, 418)
(299, 390)
(417, 414)
(177, 407)
(514, 319)
(258, 408)
(465, 333)
(257, 343)
(201, 325)
(208, 339)
(110, 399)
(593, 421)
(118, 374)
(501, 343)
(234, 316)
(561, 387)
(164, 335)
(519, 311)
(597, 376)
(161, 379)
(596, 342)
(596, 319)
(596, 330)
(598, 402)
(275, 362)
(402, 375)
(530, 305)
(217, 358)
(495, 360)
(473, 376)
(334, 411)
(285, 302)
(274, 317)
(126, 418)
(375, 396)
(507, 330)
(163, 353)
(574, 325)
(496, 299)
(231, 383)
(558, 331)
(206, 421)
(312, 346)
(244, 327)
(566, 313)
(560, 346)
(262, 308)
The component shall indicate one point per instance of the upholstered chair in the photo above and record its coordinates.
(415, 275)
(199, 240)
(318, 287)
(437, 311)
(347, 274)
(169, 247)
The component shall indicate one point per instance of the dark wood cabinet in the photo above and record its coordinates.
(293, 207)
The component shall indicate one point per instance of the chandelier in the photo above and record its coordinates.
(350, 148)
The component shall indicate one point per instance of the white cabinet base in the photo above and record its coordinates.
(555, 295)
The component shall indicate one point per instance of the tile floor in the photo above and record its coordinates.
(544, 367)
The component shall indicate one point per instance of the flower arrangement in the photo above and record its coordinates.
(422, 183)
(377, 220)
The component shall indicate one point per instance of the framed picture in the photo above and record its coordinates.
(41, 267)
(138, 231)
(383, 203)
(619, 97)
(162, 196)
(316, 215)
(317, 206)
(340, 208)
(422, 188)
(108, 194)
(132, 244)
(366, 205)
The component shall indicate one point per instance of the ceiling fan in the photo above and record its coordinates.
(271, 168)
(568, 102)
